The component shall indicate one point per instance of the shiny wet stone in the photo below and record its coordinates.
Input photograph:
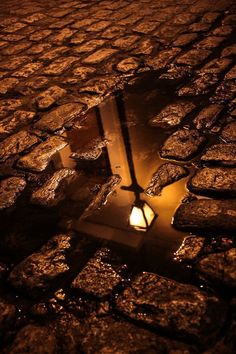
(10, 190)
(221, 154)
(59, 116)
(219, 268)
(210, 180)
(165, 175)
(53, 191)
(173, 307)
(38, 159)
(182, 144)
(172, 115)
(35, 339)
(206, 214)
(100, 275)
(108, 334)
(40, 272)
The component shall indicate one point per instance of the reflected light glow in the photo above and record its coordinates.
(141, 217)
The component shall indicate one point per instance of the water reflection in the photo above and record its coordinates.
(131, 151)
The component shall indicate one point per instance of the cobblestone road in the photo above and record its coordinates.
(58, 59)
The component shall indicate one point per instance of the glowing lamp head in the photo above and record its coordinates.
(141, 216)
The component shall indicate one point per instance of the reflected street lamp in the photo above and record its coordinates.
(141, 215)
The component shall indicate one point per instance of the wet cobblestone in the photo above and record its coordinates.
(70, 293)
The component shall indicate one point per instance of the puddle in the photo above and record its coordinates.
(130, 151)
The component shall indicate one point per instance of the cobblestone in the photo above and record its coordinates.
(99, 277)
(14, 122)
(214, 180)
(58, 59)
(8, 314)
(194, 57)
(34, 339)
(39, 158)
(28, 69)
(223, 154)
(53, 191)
(7, 84)
(207, 214)
(219, 267)
(48, 97)
(150, 297)
(15, 144)
(183, 144)
(208, 116)
(165, 175)
(58, 117)
(10, 189)
(229, 132)
(172, 115)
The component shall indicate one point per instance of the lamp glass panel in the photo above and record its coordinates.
(137, 218)
(149, 213)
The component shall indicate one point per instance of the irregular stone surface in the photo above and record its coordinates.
(225, 92)
(219, 268)
(40, 271)
(38, 159)
(206, 214)
(34, 339)
(8, 106)
(102, 195)
(165, 175)
(193, 57)
(182, 144)
(110, 335)
(231, 74)
(101, 85)
(216, 66)
(163, 58)
(7, 314)
(126, 42)
(99, 56)
(229, 51)
(53, 54)
(207, 116)
(15, 144)
(177, 72)
(210, 42)
(172, 115)
(10, 189)
(17, 120)
(199, 86)
(90, 152)
(49, 97)
(7, 84)
(52, 192)
(14, 62)
(127, 65)
(28, 69)
(223, 154)
(173, 307)
(214, 180)
(99, 277)
(190, 248)
(59, 116)
(185, 39)
(229, 132)
(89, 46)
(60, 65)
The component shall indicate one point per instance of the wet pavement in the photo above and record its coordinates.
(117, 177)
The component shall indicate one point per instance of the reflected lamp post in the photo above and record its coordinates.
(141, 215)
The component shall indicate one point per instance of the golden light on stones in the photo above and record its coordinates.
(141, 216)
